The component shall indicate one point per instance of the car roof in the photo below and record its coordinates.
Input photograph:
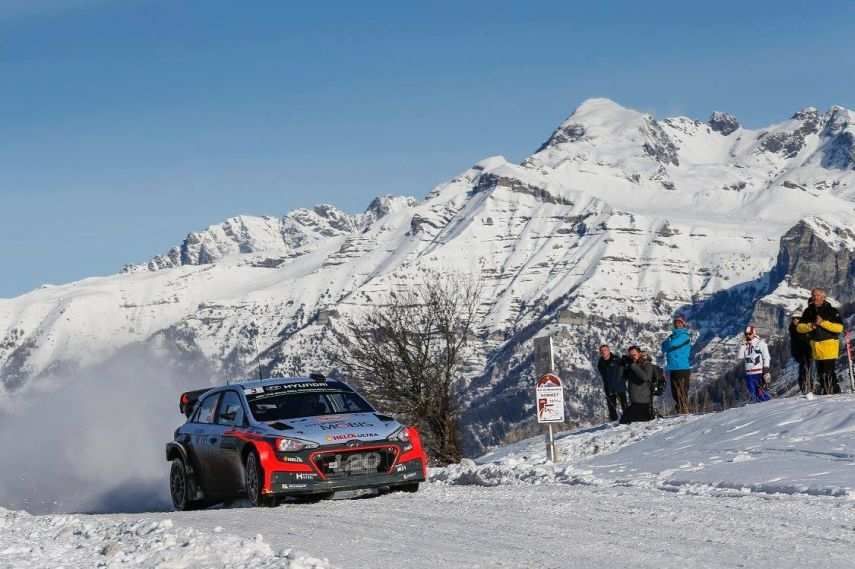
(248, 383)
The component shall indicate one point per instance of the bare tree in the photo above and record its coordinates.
(407, 353)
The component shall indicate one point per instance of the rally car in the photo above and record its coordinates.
(269, 439)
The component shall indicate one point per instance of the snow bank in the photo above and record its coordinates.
(789, 446)
(792, 446)
(82, 541)
(525, 462)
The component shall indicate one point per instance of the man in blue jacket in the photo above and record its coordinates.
(678, 353)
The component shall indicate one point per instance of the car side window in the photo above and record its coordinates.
(231, 410)
(207, 408)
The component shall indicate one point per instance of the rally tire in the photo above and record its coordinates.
(254, 482)
(181, 488)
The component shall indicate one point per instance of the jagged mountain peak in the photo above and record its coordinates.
(725, 123)
(381, 206)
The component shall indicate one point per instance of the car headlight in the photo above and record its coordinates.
(293, 445)
(402, 435)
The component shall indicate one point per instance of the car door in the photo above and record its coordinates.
(231, 420)
(204, 442)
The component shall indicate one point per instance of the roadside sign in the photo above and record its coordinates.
(549, 399)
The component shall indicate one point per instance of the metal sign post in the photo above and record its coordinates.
(549, 392)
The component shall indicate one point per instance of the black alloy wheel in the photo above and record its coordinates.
(254, 482)
(179, 487)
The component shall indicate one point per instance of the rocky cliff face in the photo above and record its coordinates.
(816, 252)
(617, 222)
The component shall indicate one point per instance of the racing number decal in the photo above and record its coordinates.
(364, 462)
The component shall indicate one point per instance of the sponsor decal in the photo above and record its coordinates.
(253, 390)
(304, 476)
(346, 425)
(349, 436)
(410, 475)
(293, 459)
(286, 486)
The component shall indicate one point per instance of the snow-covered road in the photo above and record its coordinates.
(548, 526)
(764, 487)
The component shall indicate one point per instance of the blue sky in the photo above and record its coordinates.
(128, 123)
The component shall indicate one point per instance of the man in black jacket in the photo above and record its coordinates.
(610, 367)
(801, 352)
(638, 371)
(822, 325)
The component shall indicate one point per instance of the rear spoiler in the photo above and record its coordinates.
(188, 399)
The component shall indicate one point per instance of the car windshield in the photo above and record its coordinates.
(295, 405)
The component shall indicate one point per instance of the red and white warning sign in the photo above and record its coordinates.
(549, 399)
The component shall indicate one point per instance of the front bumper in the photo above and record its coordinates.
(297, 483)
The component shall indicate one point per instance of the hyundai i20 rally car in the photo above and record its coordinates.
(295, 437)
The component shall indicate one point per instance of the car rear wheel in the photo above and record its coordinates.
(180, 487)
(254, 482)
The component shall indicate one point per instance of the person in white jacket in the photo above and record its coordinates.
(755, 353)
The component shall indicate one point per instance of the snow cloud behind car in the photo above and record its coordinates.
(95, 443)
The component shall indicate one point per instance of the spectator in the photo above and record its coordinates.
(821, 324)
(754, 352)
(638, 371)
(801, 352)
(610, 367)
(678, 353)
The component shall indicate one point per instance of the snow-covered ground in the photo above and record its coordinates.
(764, 486)
(786, 446)
(36, 542)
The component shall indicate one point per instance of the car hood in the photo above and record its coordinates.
(338, 429)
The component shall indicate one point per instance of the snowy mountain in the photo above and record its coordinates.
(616, 222)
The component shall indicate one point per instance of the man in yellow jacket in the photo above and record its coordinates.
(822, 324)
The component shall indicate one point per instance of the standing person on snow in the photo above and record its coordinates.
(801, 352)
(638, 371)
(755, 353)
(821, 324)
(610, 367)
(678, 353)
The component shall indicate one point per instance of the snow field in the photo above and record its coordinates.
(73, 541)
(788, 446)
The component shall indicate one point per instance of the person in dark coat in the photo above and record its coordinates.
(822, 325)
(610, 367)
(801, 352)
(638, 371)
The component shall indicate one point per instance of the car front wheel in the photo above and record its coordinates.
(254, 482)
